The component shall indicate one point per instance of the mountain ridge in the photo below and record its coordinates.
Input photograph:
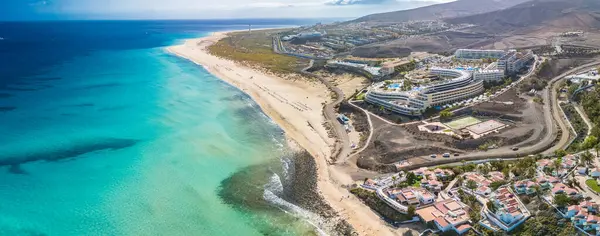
(440, 11)
(580, 14)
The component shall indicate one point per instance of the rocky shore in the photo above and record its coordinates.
(305, 193)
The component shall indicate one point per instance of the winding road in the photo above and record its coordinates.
(555, 121)
(342, 146)
(554, 118)
(342, 149)
(547, 146)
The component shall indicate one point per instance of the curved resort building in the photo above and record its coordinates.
(457, 86)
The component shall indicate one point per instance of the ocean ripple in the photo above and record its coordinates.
(66, 152)
(7, 108)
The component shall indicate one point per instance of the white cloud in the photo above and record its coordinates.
(189, 9)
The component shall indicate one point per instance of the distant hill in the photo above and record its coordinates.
(575, 14)
(445, 10)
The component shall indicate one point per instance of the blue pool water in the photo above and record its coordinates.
(394, 86)
(105, 133)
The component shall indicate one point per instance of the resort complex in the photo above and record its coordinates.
(455, 85)
(438, 81)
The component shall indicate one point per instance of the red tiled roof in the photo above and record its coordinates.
(503, 191)
(463, 227)
(543, 162)
(588, 204)
(516, 213)
(512, 202)
(571, 191)
(453, 206)
(558, 187)
(440, 206)
(483, 189)
(441, 221)
(542, 180)
(574, 208)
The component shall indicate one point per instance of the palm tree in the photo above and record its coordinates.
(587, 157)
(471, 184)
(556, 164)
(538, 190)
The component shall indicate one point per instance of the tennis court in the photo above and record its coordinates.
(485, 127)
(462, 122)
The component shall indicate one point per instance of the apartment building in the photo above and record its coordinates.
(514, 61)
(489, 75)
(456, 86)
(475, 54)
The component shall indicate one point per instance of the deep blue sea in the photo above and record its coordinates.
(103, 132)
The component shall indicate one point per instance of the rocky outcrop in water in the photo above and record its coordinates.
(305, 193)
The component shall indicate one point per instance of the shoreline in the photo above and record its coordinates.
(297, 107)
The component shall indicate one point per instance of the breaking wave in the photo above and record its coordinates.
(274, 193)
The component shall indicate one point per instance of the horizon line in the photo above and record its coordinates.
(175, 19)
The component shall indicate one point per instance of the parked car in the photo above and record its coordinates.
(446, 155)
(456, 154)
(433, 156)
(515, 148)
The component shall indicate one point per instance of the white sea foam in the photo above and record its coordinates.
(271, 195)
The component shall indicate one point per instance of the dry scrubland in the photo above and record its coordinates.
(255, 48)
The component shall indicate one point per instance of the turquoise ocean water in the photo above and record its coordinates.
(103, 132)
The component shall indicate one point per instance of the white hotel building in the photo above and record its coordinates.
(475, 54)
(413, 102)
(489, 75)
(514, 61)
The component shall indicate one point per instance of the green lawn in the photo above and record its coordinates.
(361, 96)
(593, 184)
(462, 122)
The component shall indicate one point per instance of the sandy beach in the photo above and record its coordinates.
(296, 106)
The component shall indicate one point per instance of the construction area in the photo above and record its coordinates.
(508, 120)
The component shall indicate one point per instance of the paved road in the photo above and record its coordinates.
(581, 179)
(589, 193)
(343, 146)
(444, 193)
(545, 146)
(557, 111)
(342, 160)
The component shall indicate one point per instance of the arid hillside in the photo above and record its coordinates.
(567, 14)
(439, 11)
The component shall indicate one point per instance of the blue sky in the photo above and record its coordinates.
(197, 9)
